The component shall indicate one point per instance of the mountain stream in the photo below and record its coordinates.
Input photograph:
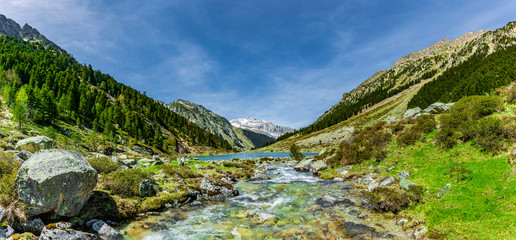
(291, 205)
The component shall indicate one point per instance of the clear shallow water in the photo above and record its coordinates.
(252, 155)
(284, 207)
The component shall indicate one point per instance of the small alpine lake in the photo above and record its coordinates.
(251, 155)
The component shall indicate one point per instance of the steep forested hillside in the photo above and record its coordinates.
(478, 75)
(45, 86)
(425, 66)
(212, 122)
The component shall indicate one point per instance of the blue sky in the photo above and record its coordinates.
(285, 61)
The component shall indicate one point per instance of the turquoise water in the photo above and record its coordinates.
(291, 205)
(252, 155)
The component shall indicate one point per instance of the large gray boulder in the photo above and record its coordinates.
(34, 144)
(413, 112)
(304, 165)
(318, 166)
(217, 190)
(56, 181)
(63, 231)
(438, 107)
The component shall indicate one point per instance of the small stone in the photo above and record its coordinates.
(444, 190)
(405, 184)
(362, 215)
(105, 231)
(401, 222)
(387, 181)
(403, 174)
(6, 232)
(372, 185)
(420, 232)
(2, 212)
(338, 179)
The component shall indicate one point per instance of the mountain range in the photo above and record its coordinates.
(27, 33)
(241, 133)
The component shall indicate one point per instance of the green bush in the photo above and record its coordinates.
(425, 123)
(104, 165)
(15, 211)
(446, 138)
(367, 144)
(477, 106)
(295, 153)
(125, 183)
(179, 171)
(8, 171)
(489, 134)
(393, 199)
(409, 137)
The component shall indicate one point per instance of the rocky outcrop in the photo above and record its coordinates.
(56, 181)
(216, 190)
(34, 144)
(27, 33)
(142, 149)
(64, 231)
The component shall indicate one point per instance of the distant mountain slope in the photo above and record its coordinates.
(258, 139)
(421, 66)
(212, 122)
(474, 63)
(261, 126)
(27, 33)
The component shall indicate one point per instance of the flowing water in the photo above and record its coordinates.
(291, 205)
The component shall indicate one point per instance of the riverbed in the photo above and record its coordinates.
(291, 205)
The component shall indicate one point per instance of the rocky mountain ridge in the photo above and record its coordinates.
(423, 65)
(261, 126)
(27, 33)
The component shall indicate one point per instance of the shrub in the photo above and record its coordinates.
(367, 144)
(125, 183)
(477, 106)
(489, 134)
(425, 123)
(104, 165)
(295, 153)
(393, 199)
(446, 138)
(460, 172)
(409, 137)
(180, 171)
(335, 160)
(15, 211)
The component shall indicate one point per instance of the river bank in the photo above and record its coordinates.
(289, 205)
